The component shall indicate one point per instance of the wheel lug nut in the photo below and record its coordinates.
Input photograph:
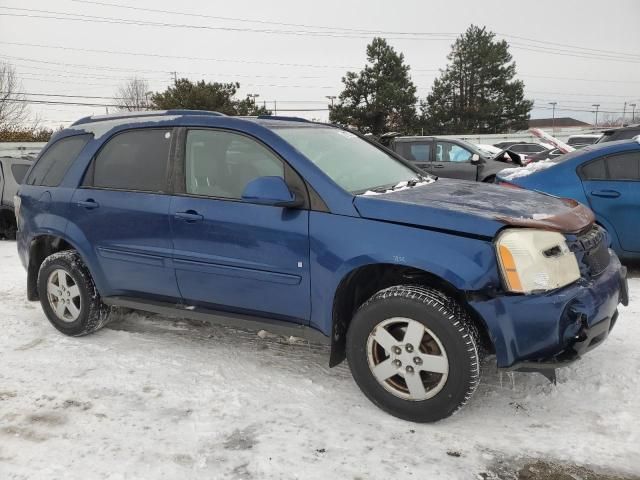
(409, 369)
(397, 363)
(397, 350)
(417, 360)
(409, 347)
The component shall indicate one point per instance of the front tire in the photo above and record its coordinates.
(68, 295)
(413, 352)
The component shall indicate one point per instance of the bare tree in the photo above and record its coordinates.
(133, 95)
(610, 120)
(13, 107)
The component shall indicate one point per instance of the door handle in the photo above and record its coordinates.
(190, 216)
(438, 165)
(89, 204)
(606, 193)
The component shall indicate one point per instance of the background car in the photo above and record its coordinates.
(451, 158)
(623, 133)
(12, 172)
(606, 177)
(583, 139)
(550, 153)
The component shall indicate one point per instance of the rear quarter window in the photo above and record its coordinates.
(19, 172)
(52, 166)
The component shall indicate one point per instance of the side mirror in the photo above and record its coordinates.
(475, 159)
(514, 157)
(270, 191)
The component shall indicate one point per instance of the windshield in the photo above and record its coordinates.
(353, 163)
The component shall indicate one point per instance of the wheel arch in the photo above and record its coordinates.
(41, 246)
(362, 282)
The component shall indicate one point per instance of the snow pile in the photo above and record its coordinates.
(152, 397)
(402, 186)
(518, 172)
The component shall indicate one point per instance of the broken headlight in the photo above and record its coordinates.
(535, 260)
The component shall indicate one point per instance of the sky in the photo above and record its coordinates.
(293, 54)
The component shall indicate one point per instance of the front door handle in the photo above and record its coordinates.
(190, 216)
(606, 193)
(438, 165)
(89, 204)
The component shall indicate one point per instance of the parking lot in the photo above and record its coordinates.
(152, 397)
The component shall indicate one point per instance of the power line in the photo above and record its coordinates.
(52, 15)
(175, 57)
(577, 52)
(301, 77)
(60, 102)
(343, 29)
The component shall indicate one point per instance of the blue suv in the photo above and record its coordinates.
(312, 230)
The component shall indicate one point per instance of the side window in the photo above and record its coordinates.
(595, 170)
(19, 171)
(421, 152)
(624, 167)
(136, 160)
(221, 163)
(450, 152)
(52, 166)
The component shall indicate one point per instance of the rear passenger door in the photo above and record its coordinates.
(122, 209)
(612, 185)
(454, 161)
(231, 254)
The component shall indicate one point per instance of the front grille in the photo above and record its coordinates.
(595, 250)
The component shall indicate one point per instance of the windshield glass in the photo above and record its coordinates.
(351, 162)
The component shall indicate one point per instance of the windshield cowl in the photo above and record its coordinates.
(400, 186)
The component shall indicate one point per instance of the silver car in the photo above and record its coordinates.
(12, 172)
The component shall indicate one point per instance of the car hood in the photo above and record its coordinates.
(474, 208)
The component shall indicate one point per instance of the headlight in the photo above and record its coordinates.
(534, 260)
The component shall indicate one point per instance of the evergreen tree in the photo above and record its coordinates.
(381, 97)
(477, 92)
(218, 97)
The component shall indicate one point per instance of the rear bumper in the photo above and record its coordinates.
(535, 332)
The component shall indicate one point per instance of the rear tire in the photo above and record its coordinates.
(413, 352)
(68, 295)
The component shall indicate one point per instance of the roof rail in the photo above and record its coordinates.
(283, 118)
(146, 113)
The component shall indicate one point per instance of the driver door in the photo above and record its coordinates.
(454, 161)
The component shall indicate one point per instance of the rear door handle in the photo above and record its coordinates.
(438, 165)
(89, 204)
(606, 193)
(190, 216)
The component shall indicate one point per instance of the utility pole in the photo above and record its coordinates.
(175, 76)
(624, 113)
(553, 118)
(633, 112)
(597, 105)
(253, 96)
(332, 98)
(275, 107)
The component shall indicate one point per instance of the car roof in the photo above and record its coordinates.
(609, 131)
(141, 116)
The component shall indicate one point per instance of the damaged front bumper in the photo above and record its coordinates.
(550, 330)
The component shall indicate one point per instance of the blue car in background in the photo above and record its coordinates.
(605, 176)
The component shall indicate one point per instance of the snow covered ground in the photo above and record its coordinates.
(151, 397)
